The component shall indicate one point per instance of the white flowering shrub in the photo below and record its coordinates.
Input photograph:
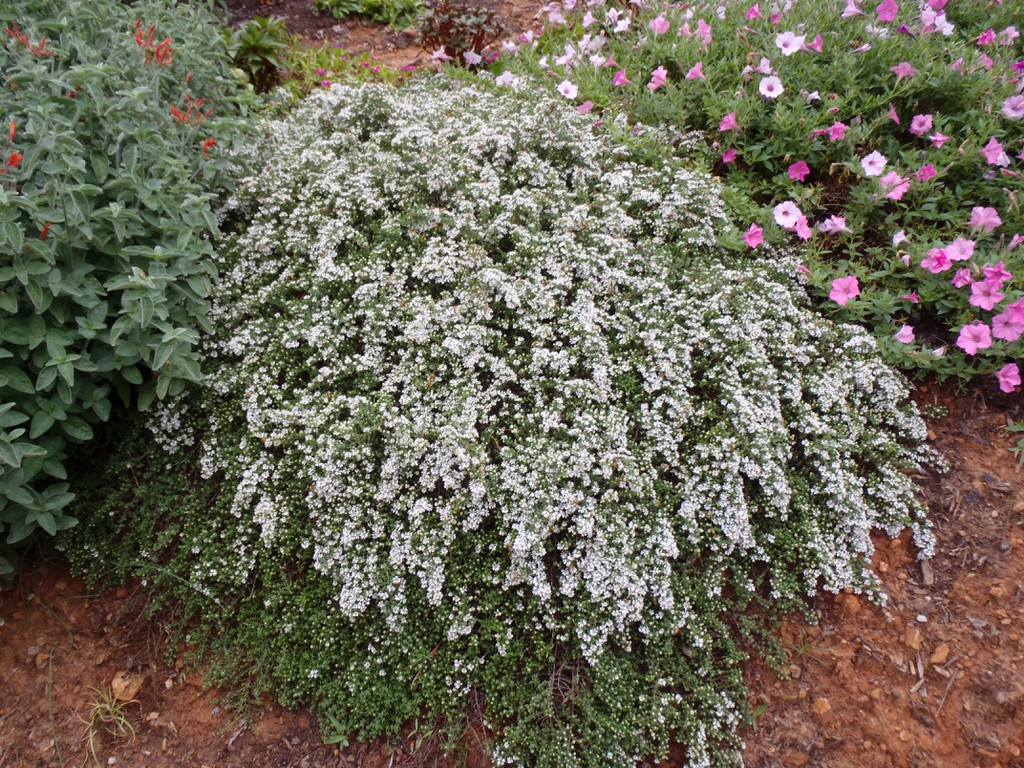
(490, 415)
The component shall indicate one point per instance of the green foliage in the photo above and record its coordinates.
(313, 67)
(492, 422)
(960, 83)
(113, 131)
(400, 14)
(259, 47)
(456, 28)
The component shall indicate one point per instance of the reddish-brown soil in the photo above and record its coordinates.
(934, 678)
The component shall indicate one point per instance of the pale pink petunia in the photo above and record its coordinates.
(887, 10)
(585, 107)
(568, 89)
(844, 289)
(1014, 242)
(905, 335)
(658, 78)
(704, 32)
(994, 154)
(1013, 107)
(1008, 35)
(789, 43)
(696, 72)
(852, 9)
(1008, 325)
(892, 114)
(862, 49)
(984, 218)
(833, 225)
(894, 186)
(803, 229)
(986, 61)
(926, 172)
(804, 270)
(962, 278)
(958, 65)
(728, 122)
(798, 171)
(770, 87)
(874, 164)
(787, 214)
(837, 131)
(960, 249)
(936, 260)
(899, 237)
(903, 69)
(588, 19)
(938, 139)
(621, 79)
(729, 156)
(974, 337)
(754, 12)
(921, 124)
(985, 295)
(659, 25)
(754, 236)
(1008, 377)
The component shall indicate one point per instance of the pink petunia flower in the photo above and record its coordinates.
(621, 79)
(568, 89)
(974, 337)
(899, 237)
(903, 69)
(833, 225)
(729, 156)
(815, 44)
(787, 214)
(938, 139)
(754, 236)
(837, 131)
(905, 335)
(1014, 242)
(894, 186)
(1007, 36)
(936, 260)
(962, 278)
(789, 43)
(987, 37)
(1013, 107)
(1009, 377)
(704, 32)
(960, 249)
(659, 26)
(996, 274)
(874, 164)
(926, 172)
(695, 72)
(754, 12)
(803, 229)
(804, 270)
(985, 295)
(728, 122)
(994, 154)
(851, 9)
(1008, 325)
(920, 124)
(770, 87)
(912, 297)
(844, 289)
(984, 218)
(887, 10)
(892, 114)
(798, 171)
(658, 78)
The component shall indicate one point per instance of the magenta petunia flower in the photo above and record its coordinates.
(912, 297)
(754, 236)
(985, 295)
(994, 154)
(844, 289)
(987, 37)
(887, 10)
(728, 122)
(754, 12)
(874, 164)
(926, 172)
(696, 72)
(920, 124)
(1009, 377)
(621, 79)
(984, 218)
(936, 260)
(798, 171)
(892, 114)
(903, 69)
(837, 131)
(729, 156)
(659, 26)
(962, 278)
(974, 337)
(894, 186)
(905, 335)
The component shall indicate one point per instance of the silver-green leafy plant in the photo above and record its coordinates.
(491, 415)
(114, 120)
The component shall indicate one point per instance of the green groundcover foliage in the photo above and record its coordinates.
(114, 118)
(492, 424)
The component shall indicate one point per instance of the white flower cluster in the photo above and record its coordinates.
(475, 347)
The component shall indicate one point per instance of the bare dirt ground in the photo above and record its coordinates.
(934, 678)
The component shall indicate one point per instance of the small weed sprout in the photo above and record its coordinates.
(106, 715)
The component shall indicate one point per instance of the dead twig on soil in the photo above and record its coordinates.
(952, 679)
(49, 701)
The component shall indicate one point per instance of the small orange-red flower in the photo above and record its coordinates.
(14, 129)
(42, 235)
(208, 145)
(14, 160)
(190, 117)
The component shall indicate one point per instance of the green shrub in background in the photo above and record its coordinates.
(114, 121)
(491, 422)
(400, 14)
(259, 47)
